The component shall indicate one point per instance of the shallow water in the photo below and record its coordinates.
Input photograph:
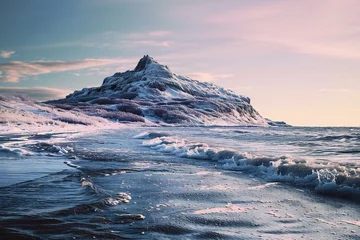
(182, 183)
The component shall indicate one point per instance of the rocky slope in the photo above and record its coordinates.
(151, 92)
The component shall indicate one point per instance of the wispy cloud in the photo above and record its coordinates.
(207, 77)
(145, 35)
(330, 29)
(160, 33)
(118, 40)
(68, 44)
(6, 54)
(14, 71)
(159, 38)
(36, 93)
(145, 43)
(327, 28)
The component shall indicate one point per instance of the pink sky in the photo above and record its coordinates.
(297, 60)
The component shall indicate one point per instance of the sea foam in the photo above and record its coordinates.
(332, 178)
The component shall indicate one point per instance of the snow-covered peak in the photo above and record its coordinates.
(153, 84)
(147, 69)
(144, 62)
(147, 66)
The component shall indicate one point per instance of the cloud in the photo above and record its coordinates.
(143, 35)
(68, 44)
(6, 54)
(207, 77)
(13, 71)
(36, 93)
(118, 40)
(159, 33)
(139, 43)
(135, 40)
(330, 29)
(327, 28)
(138, 39)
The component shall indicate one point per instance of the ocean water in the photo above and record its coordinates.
(182, 183)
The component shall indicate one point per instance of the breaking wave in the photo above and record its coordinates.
(10, 151)
(334, 179)
(150, 135)
(354, 137)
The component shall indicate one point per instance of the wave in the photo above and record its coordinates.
(150, 135)
(95, 206)
(9, 151)
(38, 149)
(341, 138)
(70, 164)
(49, 148)
(107, 200)
(324, 177)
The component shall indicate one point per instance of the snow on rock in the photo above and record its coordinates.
(277, 123)
(18, 114)
(152, 93)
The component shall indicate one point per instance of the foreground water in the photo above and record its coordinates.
(182, 183)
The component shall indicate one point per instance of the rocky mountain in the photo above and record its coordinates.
(152, 93)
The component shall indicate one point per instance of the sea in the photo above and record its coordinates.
(181, 183)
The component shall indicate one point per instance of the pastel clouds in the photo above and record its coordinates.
(159, 38)
(147, 34)
(37, 93)
(145, 43)
(15, 70)
(159, 33)
(6, 54)
(329, 28)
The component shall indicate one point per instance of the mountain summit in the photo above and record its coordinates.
(151, 92)
(144, 61)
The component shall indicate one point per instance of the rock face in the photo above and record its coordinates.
(151, 92)
(277, 123)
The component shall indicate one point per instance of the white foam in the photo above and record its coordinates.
(152, 142)
(70, 164)
(27, 116)
(271, 168)
(229, 208)
(123, 197)
(86, 183)
(61, 150)
(15, 151)
(142, 135)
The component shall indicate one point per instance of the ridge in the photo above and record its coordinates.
(144, 61)
(155, 94)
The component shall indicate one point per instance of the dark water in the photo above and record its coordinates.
(182, 183)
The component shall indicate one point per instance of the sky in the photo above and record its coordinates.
(298, 61)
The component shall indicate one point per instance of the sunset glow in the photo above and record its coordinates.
(298, 61)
